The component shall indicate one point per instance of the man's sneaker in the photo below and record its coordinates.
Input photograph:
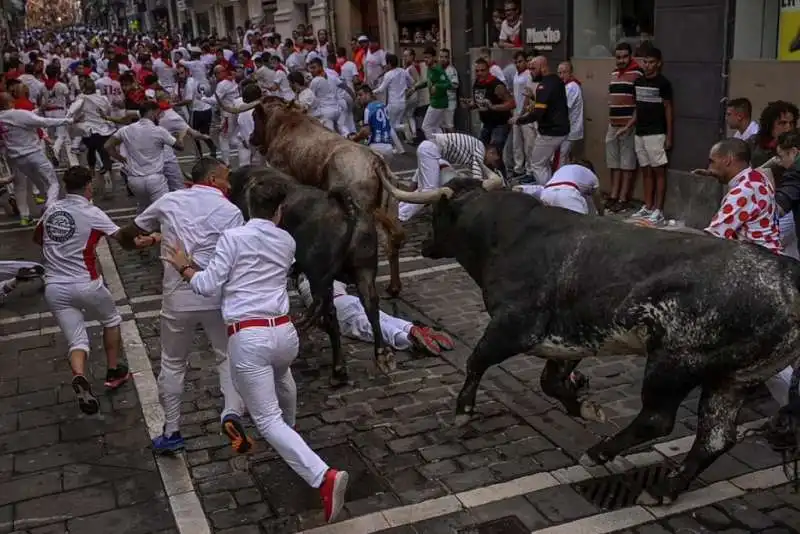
(333, 489)
(421, 340)
(26, 221)
(39, 199)
(30, 273)
(116, 377)
(233, 428)
(12, 203)
(164, 444)
(643, 213)
(656, 218)
(444, 341)
(87, 402)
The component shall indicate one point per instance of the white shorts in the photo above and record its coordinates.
(651, 150)
(67, 302)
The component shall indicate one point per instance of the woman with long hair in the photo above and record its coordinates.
(777, 118)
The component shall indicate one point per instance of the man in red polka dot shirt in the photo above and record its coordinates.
(748, 212)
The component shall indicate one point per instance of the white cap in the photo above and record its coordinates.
(363, 38)
(150, 93)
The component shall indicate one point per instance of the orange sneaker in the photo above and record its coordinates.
(233, 428)
(333, 489)
(422, 341)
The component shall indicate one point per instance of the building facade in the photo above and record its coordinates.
(713, 49)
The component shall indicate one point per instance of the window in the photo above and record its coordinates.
(755, 32)
(497, 11)
(599, 25)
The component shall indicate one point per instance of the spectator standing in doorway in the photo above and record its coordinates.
(452, 94)
(738, 117)
(438, 84)
(494, 104)
(653, 124)
(620, 147)
(523, 136)
(414, 101)
(571, 147)
(510, 28)
(551, 114)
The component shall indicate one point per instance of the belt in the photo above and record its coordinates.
(256, 323)
(442, 167)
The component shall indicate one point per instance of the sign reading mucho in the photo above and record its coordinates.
(544, 39)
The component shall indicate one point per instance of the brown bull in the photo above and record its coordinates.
(298, 144)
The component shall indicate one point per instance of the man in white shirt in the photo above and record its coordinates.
(56, 103)
(144, 143)
(570, 147)
(395, 83)
(196, 217)
(14, 272)
(452, 94)
(570, 187)
(325, 89)
(374, 62)
(24, 153)
(738, 113)
(510, 28)
(172, 122)
(523, 136)
(201, 113)
(226, 91)
(69, 232)
(245, 125)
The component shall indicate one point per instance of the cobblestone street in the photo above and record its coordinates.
(514, 469)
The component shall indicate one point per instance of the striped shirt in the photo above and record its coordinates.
(462, 149)
(622, 95)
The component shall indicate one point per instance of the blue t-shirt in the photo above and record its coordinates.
(378, 120)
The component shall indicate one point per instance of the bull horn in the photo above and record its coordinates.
(235, 110)
(415, 197)
(493, 180)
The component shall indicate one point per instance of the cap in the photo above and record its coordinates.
(363, 38)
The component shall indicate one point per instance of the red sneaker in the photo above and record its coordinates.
(333, 489)
(422, 340)
(441, 339)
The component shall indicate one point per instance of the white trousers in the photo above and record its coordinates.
(346, 122)
(172, 170)
(522, 139)
(395, 112)
(147, 189)
(260, 361)
(564, 152)
(329, 117)
(67, 302)
(62, 138)
(227, 136)
(779, 384)
(432, 123)
(430, 175)
(177, 332)
(789, 236)
(36, 168)
(394, 330)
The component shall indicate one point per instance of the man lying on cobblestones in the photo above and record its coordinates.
(398, 333)
(69, 232)
(571, 188)
(13, 272)
(197, 217)
(250, 266)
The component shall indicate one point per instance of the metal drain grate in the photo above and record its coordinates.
(504, 525)
(619, 491)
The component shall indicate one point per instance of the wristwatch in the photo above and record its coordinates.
(182, 270)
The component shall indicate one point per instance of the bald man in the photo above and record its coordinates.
(551, 113)
(570, 147)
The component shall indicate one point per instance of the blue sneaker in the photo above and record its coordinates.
(164, 444)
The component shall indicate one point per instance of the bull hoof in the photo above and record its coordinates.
(386, 362)
(393, 290)
(591, 411)
(339, 378)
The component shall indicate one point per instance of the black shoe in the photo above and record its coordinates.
(87, 402)
(117, 377)
(30, 273)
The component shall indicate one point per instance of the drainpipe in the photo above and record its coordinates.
(727, 53)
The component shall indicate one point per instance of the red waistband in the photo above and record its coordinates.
(568, 184)
(443, 166)
(256, 323)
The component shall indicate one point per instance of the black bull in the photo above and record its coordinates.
(704, 312)
(335, 240)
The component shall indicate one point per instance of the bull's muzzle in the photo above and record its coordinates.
(430, 250)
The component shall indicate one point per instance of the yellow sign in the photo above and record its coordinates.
(789, 36)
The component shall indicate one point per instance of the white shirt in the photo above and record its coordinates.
(373, 65)
(112, 90)
(165, 73)
(521, 81)
(196, 217)
(296, 61)
(250, 264)
(195, 92)
(498, 73)
(18, 135)
(56, 99)
(306, 98)
(35, 88)
(227, 91)
(197, 69)
(508, 32)
(575, 107)
(584, 180)
(452, 93)
(749, 132)
(144, 145)
(284, 87)
(89, 110)
(71, 229)
(325, 91)
(172, 122)
(349, 73)
(395, 83)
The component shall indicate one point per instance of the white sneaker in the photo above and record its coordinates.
(642, 213)
(656, 218)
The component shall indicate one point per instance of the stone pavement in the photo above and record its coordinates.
(512, 470)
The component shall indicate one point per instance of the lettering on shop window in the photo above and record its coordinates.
(790, 3)
(543, 39)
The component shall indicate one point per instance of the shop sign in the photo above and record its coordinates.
(543, 39)
(789, 34)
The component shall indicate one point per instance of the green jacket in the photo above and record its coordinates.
(438, 78)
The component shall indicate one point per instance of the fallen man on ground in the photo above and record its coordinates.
(398, 333)
(13, 272)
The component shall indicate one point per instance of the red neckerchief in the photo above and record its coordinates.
(572, 79)
(340, 61)
(114, 75)
(769, 144)
(144, 73)
(12, 75)
(87, 71)
(489, 79)
(163, 105)
(50, 83)
(136, 95)
(249, 64)
(632, 65)
(24, 103)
